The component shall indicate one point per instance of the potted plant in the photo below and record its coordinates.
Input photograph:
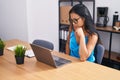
(2, 45)
(20, 54)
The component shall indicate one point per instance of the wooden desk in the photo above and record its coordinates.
(33, 70)
(111, 30)
(107, 29)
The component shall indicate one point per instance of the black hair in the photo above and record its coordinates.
(82, 11)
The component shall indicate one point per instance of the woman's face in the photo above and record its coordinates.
(76, 20)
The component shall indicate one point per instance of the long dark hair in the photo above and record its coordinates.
(82, 11)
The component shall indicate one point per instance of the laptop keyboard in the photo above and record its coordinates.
(60, 61)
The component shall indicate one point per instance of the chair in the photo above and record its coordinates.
(99, 53)
(44, 43)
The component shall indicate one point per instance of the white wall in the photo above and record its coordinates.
(42, 19)
(13, 23)
(113, 6)
(29, 19)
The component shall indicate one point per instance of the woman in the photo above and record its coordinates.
(82, 36)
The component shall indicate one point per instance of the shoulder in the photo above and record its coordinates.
(93, 36)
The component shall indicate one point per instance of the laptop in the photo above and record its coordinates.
(44, 55)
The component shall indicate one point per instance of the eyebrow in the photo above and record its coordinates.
(76, 18)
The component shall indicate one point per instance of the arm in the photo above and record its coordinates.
(85, 50)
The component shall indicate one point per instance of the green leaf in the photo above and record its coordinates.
(20, 50)
(2, 44)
